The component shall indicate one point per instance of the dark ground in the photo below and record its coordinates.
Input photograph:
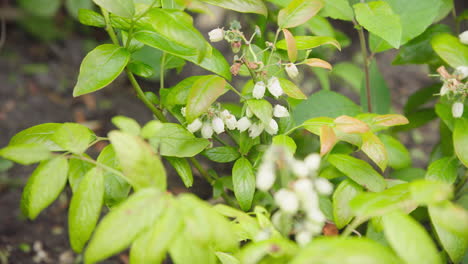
(36, 82)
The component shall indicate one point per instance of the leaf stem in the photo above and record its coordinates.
(362, 41)
(202, 171)
(161, 74)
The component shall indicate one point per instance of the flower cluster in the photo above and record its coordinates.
(299, 201)
(454, 87)
(215, 120)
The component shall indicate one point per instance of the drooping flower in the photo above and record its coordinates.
(243, 124)
(218, 125)
(303, 237)
(272, 127)
(259, 90)
(229, 120)
(255, 130)
(274, 87)
(287, 201)
(462, 70)
(323, 186)
(444, 90)
(280, 111)
(207, 130)
(300, 168)
(312, 161)
(464, 37)
(216, 34)
(265, 176)
(457, 109)
(291, 70)
(194, 126)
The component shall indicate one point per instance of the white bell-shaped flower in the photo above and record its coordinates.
(265, 176)
(312, 161)
(274, 87)
(462, 71)
(218, 125)
(287, 201)
(457, 109)
(323, 186)
(216, 34)
(303, 237)
(194, 126)
(259, 90)
(300, 168)
(280, 111)
(316, 215)
(243, 124)
(272, 127)
(231, 122)
(255, 130)
(464, 37)
(207, 130)
(291, 70)
(444, 90)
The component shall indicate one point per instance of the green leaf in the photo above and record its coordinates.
(141, 69)
(408, 174)
(85, 208)
(42, 8)
(243, 6)
(450, 49)
(222, 154)
(430, 192)
(262, 109)
(379, 94)
(243, 180)
(419, 50)
(343, 194)
(44, 186)
(40, 134)
(375, 149)
(73, 137)
(272, 251)
(26, 153)
(359, 171)
(444, 170)
(100, 67)
(74, 6)
(91, 18)
(409, 239)
(460, 140)
(124, 223)
(175, 141)
(421, 97)
(398, 156)
(309, 42)
(291, 89)
(285, 141)
(151, 246)
(116, 188)
(298, 12)
(378, 17)
(77, 168)
(324, 103)
(451, 217)
(127, 125)
(178, 94)
(350, 250)
(338, 9)
(350, 73)
(140, 165)
(183, 169)
(227, 258)
(203, 94)
(123, 8)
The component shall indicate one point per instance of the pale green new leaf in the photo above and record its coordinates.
(127, 125)
(310, 42)
(243, 6)
(460, 139)
(203, 94)
(398, 156)
(338, 9)
(44, 186)
(450, 49)
(85, 208)
(262, 109)
(344, 193)
(73, 137)
(26, 153)
(100, 67)
(285, 141)
(298, 12)
(77, 169)
(123, 8)
(40, 134)
(444, 169)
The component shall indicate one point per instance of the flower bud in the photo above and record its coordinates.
(303, 237)
(444, 90)
(182, 111)
(218, 125)
(300, 168)
(259, 90)
(243, 124)
(272, 127)
(280, 111)
(462, 71)
(323, 186)
(207, 130)
(265, 176)
(274, 87)
(255, 130)
(303, 187)
(194, 126)
(457, 109)
(312, 161)
(236, 46)
(291, 70)
(216, 34)
(464, 37)
(287, 201)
